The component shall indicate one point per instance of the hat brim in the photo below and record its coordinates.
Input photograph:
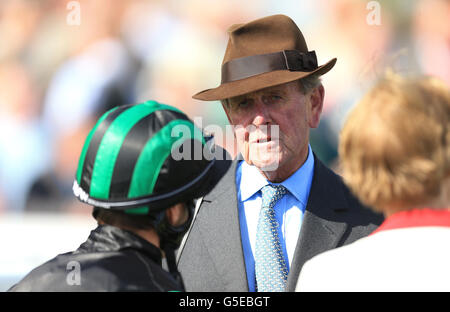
(258, 82)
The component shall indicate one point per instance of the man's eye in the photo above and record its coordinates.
(275, 97)
(241, 105)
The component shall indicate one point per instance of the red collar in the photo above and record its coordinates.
(415, 218)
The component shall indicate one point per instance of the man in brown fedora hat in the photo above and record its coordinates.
(280, 206)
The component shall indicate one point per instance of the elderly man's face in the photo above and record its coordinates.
(272, 127)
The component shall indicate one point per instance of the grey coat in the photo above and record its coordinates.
(212, 257)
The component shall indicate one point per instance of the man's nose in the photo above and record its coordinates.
(262, 114)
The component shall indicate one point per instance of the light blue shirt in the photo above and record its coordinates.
(289, 209)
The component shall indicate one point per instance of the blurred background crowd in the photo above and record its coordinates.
(59, 72)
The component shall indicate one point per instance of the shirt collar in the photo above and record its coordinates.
(252, 180)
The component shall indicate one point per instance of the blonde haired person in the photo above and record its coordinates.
(395, 156)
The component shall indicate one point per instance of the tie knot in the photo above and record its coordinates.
(271, 194)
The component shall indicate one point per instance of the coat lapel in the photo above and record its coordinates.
(322, 225)
(222, 234)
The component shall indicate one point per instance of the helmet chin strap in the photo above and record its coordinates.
(171, 263)
(170, 239)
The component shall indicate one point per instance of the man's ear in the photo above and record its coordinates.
(225, 109)
(316, 105)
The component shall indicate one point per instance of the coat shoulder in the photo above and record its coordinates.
(359, 214)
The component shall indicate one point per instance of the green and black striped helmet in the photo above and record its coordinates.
(127, 160)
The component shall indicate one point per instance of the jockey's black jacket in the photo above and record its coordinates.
(111, 259)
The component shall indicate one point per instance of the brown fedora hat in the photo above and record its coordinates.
(265, 52)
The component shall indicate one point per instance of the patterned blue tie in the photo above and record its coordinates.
(270, 265)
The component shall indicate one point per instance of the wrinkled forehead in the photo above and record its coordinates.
(280, 89)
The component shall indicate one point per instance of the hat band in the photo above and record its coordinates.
(292, 60)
